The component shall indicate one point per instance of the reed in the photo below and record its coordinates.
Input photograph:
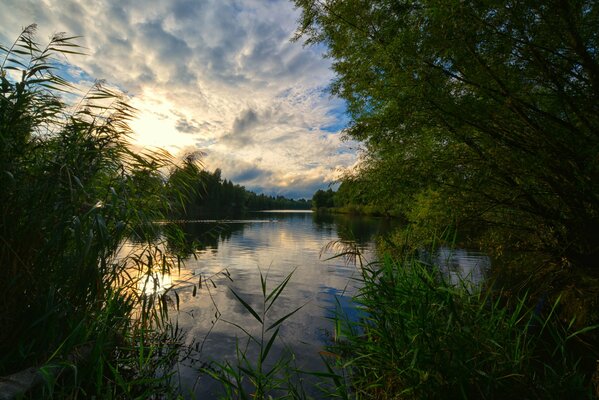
(72, 192)
(420, 337)
(260, 376)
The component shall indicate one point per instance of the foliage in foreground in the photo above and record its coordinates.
(71, 192)
(417, 336)
(254, 374)
(420, 337)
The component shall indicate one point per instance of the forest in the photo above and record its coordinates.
(208, 195)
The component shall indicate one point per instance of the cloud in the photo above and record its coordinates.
(220, 76)
(185, 126)
(250, 174)
(246, 120)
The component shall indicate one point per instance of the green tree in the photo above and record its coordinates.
(492, 104)
(185, 186)
(323, 199)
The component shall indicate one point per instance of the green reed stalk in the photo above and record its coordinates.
(72, 191)
(420, 337)
(260, 378)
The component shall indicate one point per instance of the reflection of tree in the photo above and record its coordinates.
(361, 229)
(202, 235)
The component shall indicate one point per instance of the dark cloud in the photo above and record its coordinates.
(299, 190)
(188, 10)
(186, 126)
(306, 189)
(241, 133)
(170, 53)
(250, 174)
(247, 120)
(118, 13)
(169, 47)
(146, 75)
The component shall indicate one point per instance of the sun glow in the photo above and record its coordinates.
(154, 126)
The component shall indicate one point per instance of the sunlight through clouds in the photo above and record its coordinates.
(219, 77)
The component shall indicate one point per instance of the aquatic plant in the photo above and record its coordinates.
(72, 191)
(420, 337)
(260, 377)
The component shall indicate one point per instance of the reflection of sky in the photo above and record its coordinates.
(291, 243)
(462, 266)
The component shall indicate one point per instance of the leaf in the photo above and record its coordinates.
(269, 345)
(280, 320)
(583, 330)
(247, 307)
(277, 291)
(263, 284)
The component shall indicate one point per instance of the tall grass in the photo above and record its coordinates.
(258, 376)
(72, 191)
(421, 337)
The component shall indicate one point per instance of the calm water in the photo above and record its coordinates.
(276, 243)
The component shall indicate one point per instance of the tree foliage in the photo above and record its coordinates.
(492, 104)
(209, 195)
(323, 199)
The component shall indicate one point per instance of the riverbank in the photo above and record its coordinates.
(364, 210)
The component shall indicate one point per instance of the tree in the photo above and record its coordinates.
(495, 105)
(323, 199)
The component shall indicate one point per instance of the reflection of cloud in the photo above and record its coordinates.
(278, 248)
(222, 74)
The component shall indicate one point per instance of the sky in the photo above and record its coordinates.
(217, 76)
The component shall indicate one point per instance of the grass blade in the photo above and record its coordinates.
(247, 307)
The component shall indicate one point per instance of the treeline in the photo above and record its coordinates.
(208, 194)
(352, 197)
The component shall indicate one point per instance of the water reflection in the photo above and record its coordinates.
(231, 256)
(207, 235)
(352, 228)
(460, 266)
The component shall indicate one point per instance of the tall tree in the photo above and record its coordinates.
(493, 103)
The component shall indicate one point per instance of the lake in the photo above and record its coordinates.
(232, 256)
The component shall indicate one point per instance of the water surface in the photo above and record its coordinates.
(279, 243)
(232, 256)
